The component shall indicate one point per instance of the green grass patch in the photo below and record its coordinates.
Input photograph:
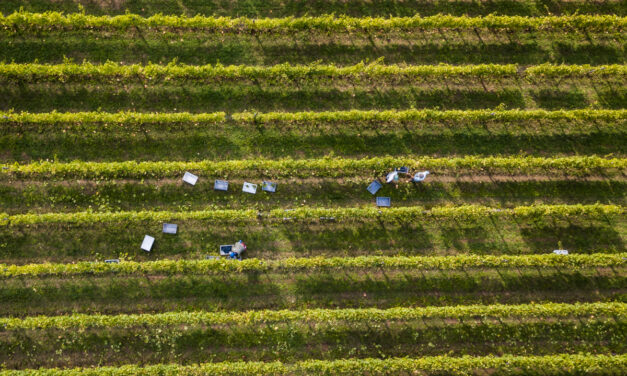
(307, 289)
(428, 47)
(199, 99)
(252, 142)
(66, 242)
(128, 195)
(296, 341)
(329, 166)
(100, 136)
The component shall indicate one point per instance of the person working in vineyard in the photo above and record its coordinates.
(237, 250)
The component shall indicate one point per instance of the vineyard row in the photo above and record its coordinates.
(524, 311)
(463, 366)
(285, 73)
(80, 21)
(408, 213)
(323, 167)
(381, 119)
(224, 266)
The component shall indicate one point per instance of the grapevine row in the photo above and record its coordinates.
(526, 311)
(323, 167)
(222, 266)
(562, 364)
(410, 213)
(113, 72)
(382, 119)
(80, 21)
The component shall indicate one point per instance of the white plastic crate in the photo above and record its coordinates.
(147, 243)
(268, 186)
(190, 178)
(221, 185)
(249, 188)
(170, 228)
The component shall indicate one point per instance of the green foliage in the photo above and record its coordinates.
(374, 315)
(112, 72)
(411, 213)
(221, 266)
(311, 120)
(307, 282)
(357, 8)
(282, 74)
(463, 366)
(330, 23)
(324, 167)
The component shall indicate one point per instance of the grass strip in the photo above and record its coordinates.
(63, 242)
(418, 48)
(246, 96)
(111, 137)
(298, 341)
(24, 196)
(329, 289)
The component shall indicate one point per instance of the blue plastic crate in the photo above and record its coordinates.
(169, 228)
(384, 201)
(268, 186)
(374, 187)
